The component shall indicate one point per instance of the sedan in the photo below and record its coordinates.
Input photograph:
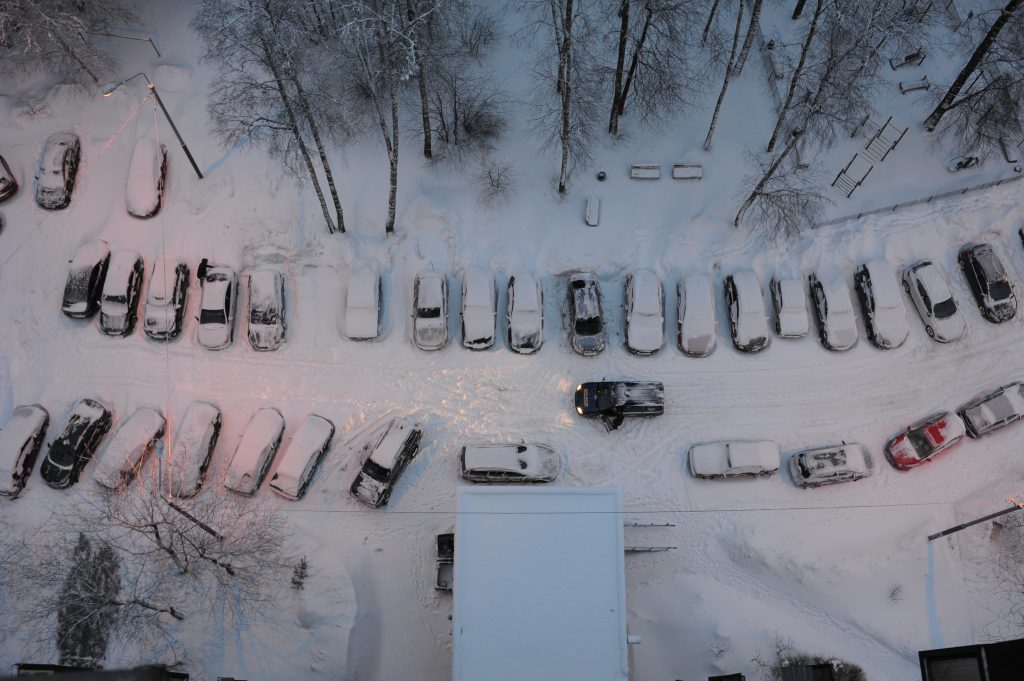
(885, 317)
(479, 309)
(119, 303)
(88, 423)
(85, 279)
(525, 313)
(55, 176)
(645, 313)
(510, 463)
(837, 323)
(302, 457)
(144, 189)
(217, 309)
(734, 458)
(165, 300)
(20, 442)
(8, 185)
(994, 410)
(126, 453)
(266, 310)
(790, 304)
(430, 316)
(194, 442)
(363, 304)
(923, 440)
(586, 322)
(696, 319)
(929, 291)
(990, 285)
(829, 465)
(255, 452)
(747, 319)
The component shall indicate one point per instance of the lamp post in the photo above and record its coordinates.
(109, 90)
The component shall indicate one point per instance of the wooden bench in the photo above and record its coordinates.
(914, 58)
(592, 215)
(912, 85)
(687, 171)
(645, 171)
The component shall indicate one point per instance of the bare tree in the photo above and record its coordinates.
(730, 71)
(752, 29)
(709, 24)
(798, 72)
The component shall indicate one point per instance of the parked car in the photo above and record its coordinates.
(993, 411)
(923, 440)
(363, 304)
(510, 463)
(837, 323)
(255, 452)
(302, 457)
(586, 322)
(929, 291)
(747, 319)
(989, 283)
(55, 176)
(885, 317)
(85, 279)
(119, 303)
(165, 300)
(430, 318)
(194, 442)
(734, 458)
(790, 304)
(88, 423)
(831, 464)
(8, 185)
(20, 442)
(645, 313)
(612, 401)
(217, 308)
(266, 310)
(126, 453)
(144, 189)
(525, 313)
(388, 459)
(479, 306)
(696, 319)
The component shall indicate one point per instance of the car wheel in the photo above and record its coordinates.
(930, 331)
(906, 287)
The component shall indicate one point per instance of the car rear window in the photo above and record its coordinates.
(212, 317)
(372, 469)
(588, 326)
(945, 309)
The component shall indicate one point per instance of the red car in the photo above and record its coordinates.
(925, 439)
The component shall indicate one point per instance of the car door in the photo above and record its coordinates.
(926, 302)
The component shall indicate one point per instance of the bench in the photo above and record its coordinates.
(1009, 150)
(914, 58)
(645, 171)
(592, 215)
(687, 171)
(912, 85)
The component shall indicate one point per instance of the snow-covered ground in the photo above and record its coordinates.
(753, 558)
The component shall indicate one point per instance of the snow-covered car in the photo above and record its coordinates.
(255, 452)
(194, 441)
(388, 459)
(929, 291)
(266, 310)
(696, 334)
(612, 401)
(837, 322)
(119, 303)
(734, 458)
(8, 185)
(510, 463)
(479, 309)
(645, 313)
(923, 440)
(830, 464)
(994, 410)
(164, 311)
(85, 279)
(55, 175)
(747, 320)
(885, 317)
(88, 422)
(525, 313)
(789, 302)
(989, 283)
(586, 322)
(430, 315)
(217, 308)
(144, 189)
(126, 453)
(302, 457)
(363, 303)
(20, 442)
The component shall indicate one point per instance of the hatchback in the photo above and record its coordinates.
(525, 313)
(20, 442)
(929, 291)
(126, 453)
(144, 189)
(302, 457)
(747, 319)
(994, 410)
(430, 313)
(85, 279)
(789, 302)
(88, 422)
(696, 319)
(734, 458)
(217, 309)
(586, 321)
(55, 175)
(363, 304)
(645, 313)
(266, 310)
(119, 303)
(194, 442)
(837, 322)
(989, 282)
(885, 317)
(255, 452)
(479, 309)
(164, 312)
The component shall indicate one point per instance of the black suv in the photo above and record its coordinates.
(612, 401)
(88, 423)
(989, 283)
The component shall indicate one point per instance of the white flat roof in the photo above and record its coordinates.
(539, 585)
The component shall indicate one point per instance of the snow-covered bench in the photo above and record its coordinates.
(915, 58)
(645, 171)
(592, 215)
(911, 85)
(687, 171)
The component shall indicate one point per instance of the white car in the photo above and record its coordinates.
(362, 304)
(525, 313)
(747, 319)
(789, 300)
(479, 309)
(645, 313)
(255, 452)
(266, 310)
(126, 452)
(885, 317)
(119, 303)
(20, 442)
(217, 308)
(837, 322)
(929, 289)
(994, 410)
(696, 315)
(510, 463)
(165, 299)
(55, 174)
(831, 464)
(302, 457)
(194, 440)
(388, 459)
(430, 316)
(734, 458)
(144, 189)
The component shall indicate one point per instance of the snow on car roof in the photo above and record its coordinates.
(585, 297)
(883, 282)
(505, 457)
(362, 287)
(699, 308)
(23, 422)
(122, 262)
(646, 293)
(264, 289)
(306, 440)
(479, 289)
(53, 150)
(550, 604)
(761, 453)
(430, 292)
(792, 294)
(836, 292)
(127, 442)
(933, 283)
(264, 428)
(161, 279)
(526, 292)
(90, 253)
(385, 453)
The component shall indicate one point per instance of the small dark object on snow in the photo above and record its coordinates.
(601, 175)
(963, 162)
(204, 264)
(612, 401)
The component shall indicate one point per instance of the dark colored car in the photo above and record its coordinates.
(612, 401)
(989, 282)
(165, 299)
(389, 458)
(20, 441)
(122, 287)
(58, 164)
(86, 275)
(8, 185)
(586, 322)
(88, 423)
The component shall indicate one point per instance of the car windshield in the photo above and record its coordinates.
(1000, 290)
(212, 317)
(429, 312)
(118, 299)
(373, 470)
(77, 286)
(267, 316)
(922, 446)
(588, 326)
(945, 309)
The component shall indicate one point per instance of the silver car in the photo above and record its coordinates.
(817, 466)
(525, 313)
(510, 463)
(388, 459)
(430, 314)
(696, 334)
(55, 175)
(586, 322)
(122, 286)
(479, 309)
(929, 290)
(837, 322)
(266, 310)
(994, 410)
(734, 458)
(217, 309)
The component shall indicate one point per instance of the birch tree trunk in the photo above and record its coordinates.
(620, 61)
(707, 26)
(318, 141)
(798, 10)
(791, 91)
(768, 174)
(566, 90)
(634, 60)
(729, 67)
(755, 18)
(389, 225)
